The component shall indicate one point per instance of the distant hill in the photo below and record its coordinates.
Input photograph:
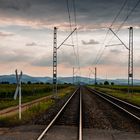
(25, 79)
(62, 80)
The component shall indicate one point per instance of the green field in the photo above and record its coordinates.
(29, 92)
(121, 92)
(36, 110)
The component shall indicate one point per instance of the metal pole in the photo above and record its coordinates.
(95, 76)
(20, 100)
(89, 79)
(55, 48)
(73, 75)
(130, 61)
(80, 118)
(55, 61)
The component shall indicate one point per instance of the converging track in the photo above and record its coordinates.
(67, 121)
(90, 114)
(130, 109)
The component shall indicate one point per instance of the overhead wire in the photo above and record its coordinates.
(73, 25)
(129, 14)
(127, 17)
(77, 40)
(101, 51)
(122, 24)
(70, 24)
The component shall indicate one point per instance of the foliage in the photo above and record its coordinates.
(106, 83)
(112, 83)
(35, 110)
(29, 92)
(28, 114)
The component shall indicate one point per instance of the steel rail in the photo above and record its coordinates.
(105, 98)
(54, 119)
(80, 117)
(129, 104)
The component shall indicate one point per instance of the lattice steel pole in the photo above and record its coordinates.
(130, 60)
(55, 61)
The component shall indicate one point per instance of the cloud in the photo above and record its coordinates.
(15, 4)
(4, 34)
(35, 44)
(90, 42)
(31, 44)
(43, 61)
(13, 56)
(66, 58)
(115, 51)
(113, 58)
(18, 55)
(91, 14)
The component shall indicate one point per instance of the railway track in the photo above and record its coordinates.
(88, 114)
(125, 107)
(70, 114)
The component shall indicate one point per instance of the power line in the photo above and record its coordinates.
(128, 15)
(118, 14)
(74, 8)
(76, 52)
(68, 10)
(70, 23)
(75, 20)
(121, 9)
(66, 38)
(99, 55)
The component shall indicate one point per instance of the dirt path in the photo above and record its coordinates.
(14, 110)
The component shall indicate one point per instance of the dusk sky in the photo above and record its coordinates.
(26, 36)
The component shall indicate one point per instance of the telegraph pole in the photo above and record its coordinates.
(130, 60)
(55, 48)
(130, 56)
(95, 76)
(89, 79)
(73, 75)
(55, 61)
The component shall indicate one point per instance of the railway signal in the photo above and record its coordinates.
(18, 90)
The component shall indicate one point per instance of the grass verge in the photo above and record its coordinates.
(35, 110)
(41, 91)
(133, 98)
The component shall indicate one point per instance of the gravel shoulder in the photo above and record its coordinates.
(99, 114)
(61, 132)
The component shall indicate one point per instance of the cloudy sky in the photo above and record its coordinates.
(26, 36)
